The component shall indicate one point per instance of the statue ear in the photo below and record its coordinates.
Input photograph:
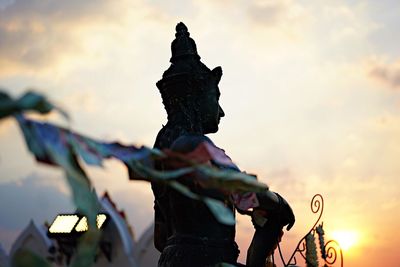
(217, 72)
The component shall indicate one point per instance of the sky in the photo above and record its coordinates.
(311, 92)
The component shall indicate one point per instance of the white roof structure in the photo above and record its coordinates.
(122, 227)
(143, 252)
(4, 262)
(34, 239)
(125, 250)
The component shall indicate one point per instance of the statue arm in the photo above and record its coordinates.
(160, 228)
(267, 200)
(161, 225)
(270, 211)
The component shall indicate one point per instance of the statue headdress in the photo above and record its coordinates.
(187, 76)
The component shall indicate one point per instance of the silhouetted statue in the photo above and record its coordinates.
(186, 233)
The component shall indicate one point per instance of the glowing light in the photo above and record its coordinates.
(346, 239)
(100, 219)
(63, 224)
(82, 225)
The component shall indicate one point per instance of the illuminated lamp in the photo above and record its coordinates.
(63, 224)
(67, 228)
(73, 223)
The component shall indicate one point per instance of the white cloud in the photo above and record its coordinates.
(276, 13)
(42, 36)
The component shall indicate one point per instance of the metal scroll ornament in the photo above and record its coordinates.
(329, 253)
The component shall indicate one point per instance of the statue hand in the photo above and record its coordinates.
(277, 207)
(286, 213)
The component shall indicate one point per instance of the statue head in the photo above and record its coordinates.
(189, 89)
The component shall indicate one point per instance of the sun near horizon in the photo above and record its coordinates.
(347, 239)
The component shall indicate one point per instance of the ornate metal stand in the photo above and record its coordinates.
(328, 251)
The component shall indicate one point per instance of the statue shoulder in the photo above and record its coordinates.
(189, 142)
(208, 151)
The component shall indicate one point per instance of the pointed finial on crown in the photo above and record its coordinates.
(183, 45)
(181, 30)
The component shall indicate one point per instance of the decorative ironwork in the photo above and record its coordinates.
(329, 252)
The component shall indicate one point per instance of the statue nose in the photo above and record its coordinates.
(221, 112)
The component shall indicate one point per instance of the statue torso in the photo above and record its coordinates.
(187, 216)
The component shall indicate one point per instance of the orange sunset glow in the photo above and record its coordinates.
(346, 239)
(310, 89)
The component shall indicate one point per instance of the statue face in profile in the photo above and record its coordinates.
(211, 111)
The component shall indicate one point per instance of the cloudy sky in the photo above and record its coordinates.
(311, 92)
